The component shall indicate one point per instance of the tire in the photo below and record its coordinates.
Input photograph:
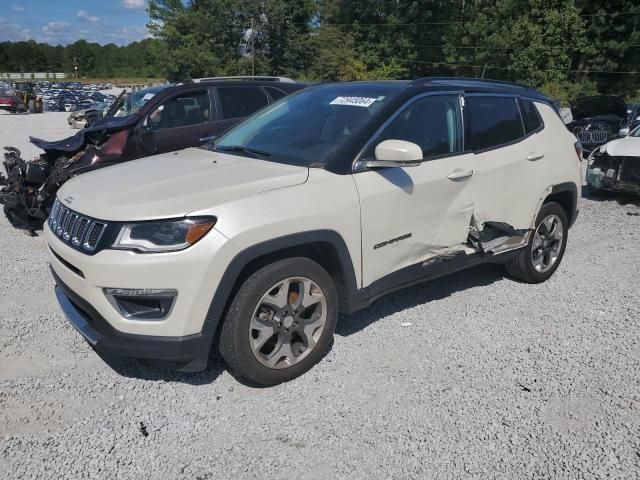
(268, 310)
(524, 267)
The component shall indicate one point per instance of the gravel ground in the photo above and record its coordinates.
(491, 379)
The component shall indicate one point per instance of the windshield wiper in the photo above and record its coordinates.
(252, 152)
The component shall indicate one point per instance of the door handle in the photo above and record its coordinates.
(532, 157)
(460, 174)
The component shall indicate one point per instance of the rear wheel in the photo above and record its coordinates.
(281, 322)
(543, 254)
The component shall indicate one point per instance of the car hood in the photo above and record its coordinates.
(586, 107)
(77, 142)
(174, 184)
(623, 147)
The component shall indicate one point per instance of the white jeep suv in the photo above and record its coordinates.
(314, 206)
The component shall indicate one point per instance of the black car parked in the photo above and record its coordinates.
(160, 119)
(597, 120)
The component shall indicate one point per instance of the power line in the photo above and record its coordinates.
(459, 22)
(487, 67)
(512, 69)
(482, 47)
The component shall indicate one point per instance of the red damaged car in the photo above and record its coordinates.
(8, 100)
(160, 119)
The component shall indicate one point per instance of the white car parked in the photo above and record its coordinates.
(317, 204)
(615, 167)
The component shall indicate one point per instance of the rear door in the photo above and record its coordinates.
(507, 160)
(181, 121)
(410, 215)
(237, 102)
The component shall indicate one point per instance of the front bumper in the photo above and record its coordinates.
(619, 174)
(194, 273)
(188, 353)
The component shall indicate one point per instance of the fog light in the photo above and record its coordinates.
(142, 303)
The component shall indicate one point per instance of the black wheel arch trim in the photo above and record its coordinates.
(223, 292)
(571, 188)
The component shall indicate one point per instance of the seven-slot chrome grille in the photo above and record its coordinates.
(82, 232)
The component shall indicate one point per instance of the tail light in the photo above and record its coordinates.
(579, 150)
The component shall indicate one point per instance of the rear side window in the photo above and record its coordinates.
(275, 93)
(492, 121)
(530, 116)
(239, 102)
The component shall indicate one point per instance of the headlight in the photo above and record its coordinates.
(163, 235)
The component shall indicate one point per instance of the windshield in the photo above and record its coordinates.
(134, 101)
(307, 128)
(635, 133)
(6, 90)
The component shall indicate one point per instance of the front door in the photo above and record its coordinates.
(181, 121)
(412, 214)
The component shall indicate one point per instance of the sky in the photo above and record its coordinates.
(60, 22)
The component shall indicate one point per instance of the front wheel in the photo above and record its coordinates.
(281, 322)
(543, 254)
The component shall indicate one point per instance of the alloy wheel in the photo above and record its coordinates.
(287, 322)
(547, 243)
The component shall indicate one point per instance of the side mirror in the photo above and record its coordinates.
(396, 153)
(624, 132)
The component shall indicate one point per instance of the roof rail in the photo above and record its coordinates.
(471, 80)
(259, 78)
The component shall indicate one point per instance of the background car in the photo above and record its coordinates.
(8, 100)
(88, 116)
(597, 120)
(160, 119)
(615, 167)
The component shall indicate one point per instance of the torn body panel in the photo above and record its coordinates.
(30, 186)
(497, 237)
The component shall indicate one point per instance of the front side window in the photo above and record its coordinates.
(491, 122)
(433, 123)
(180, 111)
(238, 102)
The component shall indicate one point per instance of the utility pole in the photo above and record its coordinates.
(253, 50)
(75, 67)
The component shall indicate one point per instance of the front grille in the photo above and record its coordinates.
(593, 137)
(84, 233)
